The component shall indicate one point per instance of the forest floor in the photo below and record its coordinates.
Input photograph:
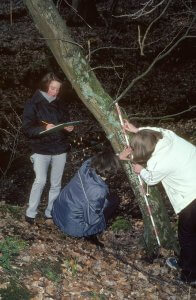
(39, 262)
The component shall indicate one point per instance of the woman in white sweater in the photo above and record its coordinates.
(159, 155)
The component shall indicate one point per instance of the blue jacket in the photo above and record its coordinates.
(78, 210)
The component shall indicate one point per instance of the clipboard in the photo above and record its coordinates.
(60, 126)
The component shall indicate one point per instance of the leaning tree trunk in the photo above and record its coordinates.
(78, 71)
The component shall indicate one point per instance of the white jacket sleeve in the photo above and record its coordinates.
(151, 177)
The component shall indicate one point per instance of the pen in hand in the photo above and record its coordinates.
(45, 122)
(48, 125)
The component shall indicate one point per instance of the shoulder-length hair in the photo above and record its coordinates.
(105, 163)
(143, 144)
(46, 80)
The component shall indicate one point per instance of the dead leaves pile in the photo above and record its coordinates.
(54, 266)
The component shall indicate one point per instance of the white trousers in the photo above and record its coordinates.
(40, 165)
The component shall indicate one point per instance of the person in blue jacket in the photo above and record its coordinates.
(85, 204)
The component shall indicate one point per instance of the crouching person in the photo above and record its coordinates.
(85, 204)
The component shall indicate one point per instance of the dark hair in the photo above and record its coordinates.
(46, 80)
(143, 144)
(105, 163)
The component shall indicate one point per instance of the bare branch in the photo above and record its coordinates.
(112, 47)
(7, 132)
(143, 11)
(160, 56)
(75, 11)
(56, 39)
(129, 48)
(19, 119)
(117, 72)
(120, 85)
(13, 153)
(105, 67)
(133, 117)
(142, 41)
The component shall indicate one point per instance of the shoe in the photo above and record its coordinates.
(94, 240)
(30, 220)
(47, 218)
(172, 263)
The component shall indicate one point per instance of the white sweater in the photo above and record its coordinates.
(173, 162)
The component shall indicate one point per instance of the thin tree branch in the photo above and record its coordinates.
(75, 11)
(66, 41)
(19, 119)
(112, 47)
(151, 24)
(122, 79)
(7, 132)
(133, 117)
(160, 56)
(105, 67)
(128, 48)
(142, 11)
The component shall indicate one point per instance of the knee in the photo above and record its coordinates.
(40, 182)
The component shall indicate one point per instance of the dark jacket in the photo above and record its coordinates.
(78, 210)
(38, 109)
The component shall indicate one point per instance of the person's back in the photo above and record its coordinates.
(79, 209)
(174, 162)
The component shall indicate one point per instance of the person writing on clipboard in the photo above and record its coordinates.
(41, 113)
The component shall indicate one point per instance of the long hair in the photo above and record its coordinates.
(46, 80)
(143, 144)
(105, 163)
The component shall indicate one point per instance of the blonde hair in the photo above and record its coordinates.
(143, 144)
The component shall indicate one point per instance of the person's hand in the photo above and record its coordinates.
(137, 168)
(130, 127)
(69, 128)
(125, 153)
(49, 126)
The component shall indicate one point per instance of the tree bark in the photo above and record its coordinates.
(76, 68)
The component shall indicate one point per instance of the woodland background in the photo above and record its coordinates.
(45, 264)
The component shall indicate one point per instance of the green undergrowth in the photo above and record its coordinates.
(121, 224)
(14, 210)
(15, 291)
(71, 266)
(10, 247)
(50, 270)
